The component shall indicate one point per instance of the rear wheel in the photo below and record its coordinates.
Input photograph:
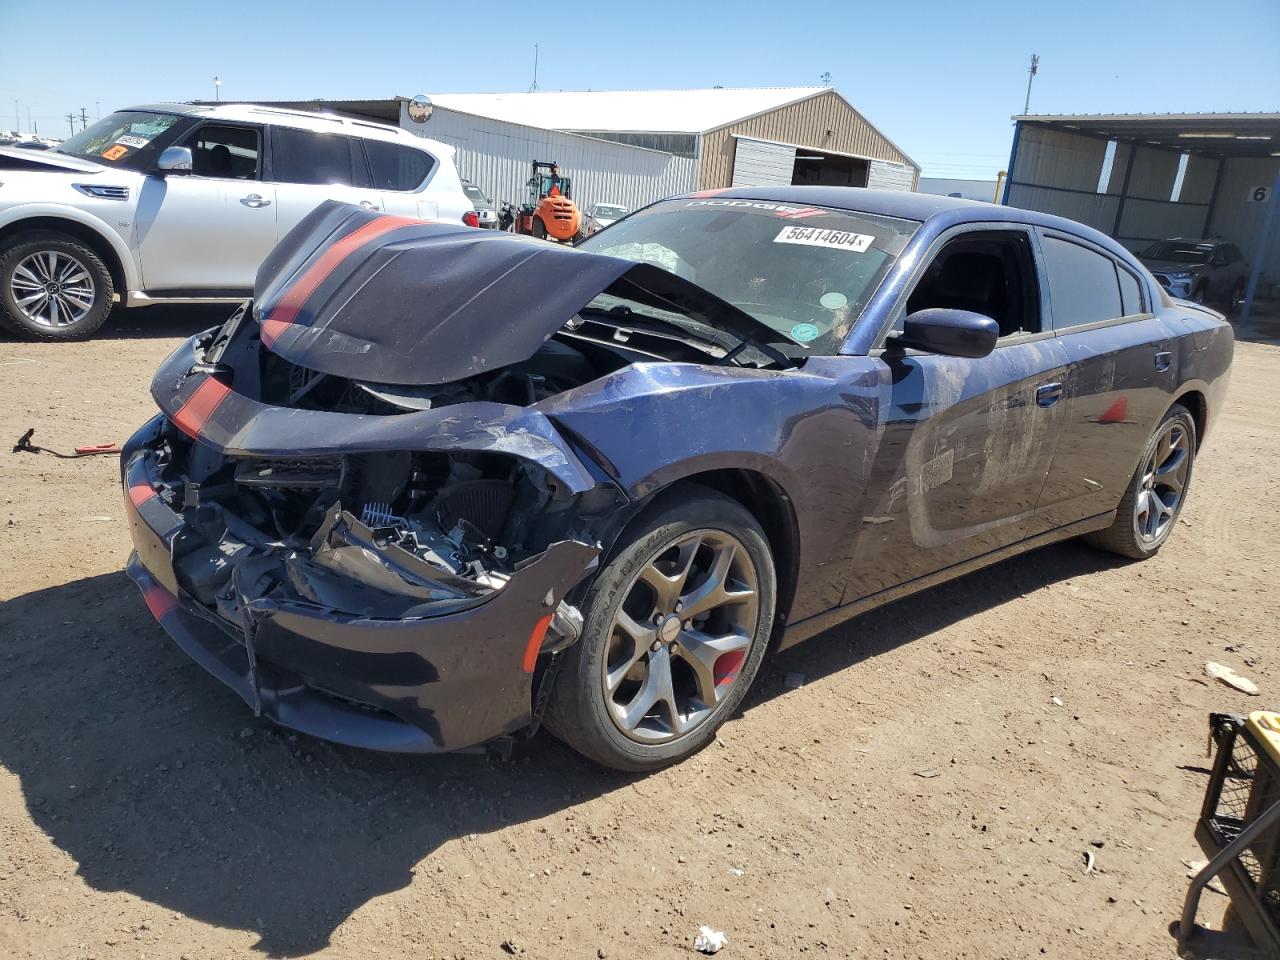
(1237, 296)
(676, 625)
(53, 287)
(539, 228)
(1150, 508)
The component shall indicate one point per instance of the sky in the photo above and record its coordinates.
(940, 79)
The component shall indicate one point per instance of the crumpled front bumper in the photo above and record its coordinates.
(448, 676)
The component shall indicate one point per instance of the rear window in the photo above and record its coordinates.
(394, 167)
(1130, 292)
(300, 156)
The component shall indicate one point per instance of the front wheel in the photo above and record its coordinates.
(1150, 508)
(53, 287)
(676, 625)
(539, 228)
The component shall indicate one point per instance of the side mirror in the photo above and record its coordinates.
(174, 160)
(952, 333)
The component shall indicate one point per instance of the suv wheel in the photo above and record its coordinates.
(53, 287)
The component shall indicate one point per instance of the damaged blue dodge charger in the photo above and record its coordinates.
(434, 487)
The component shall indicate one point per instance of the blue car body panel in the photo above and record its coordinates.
(884, 470)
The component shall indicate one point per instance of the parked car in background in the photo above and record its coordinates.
(486, 212)
(601, 215)
(437, 485)
(1204, 271)
(180, 204)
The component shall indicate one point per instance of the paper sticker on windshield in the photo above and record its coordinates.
(114, 152)
(804, 332)
(818, 237)
(131, 141)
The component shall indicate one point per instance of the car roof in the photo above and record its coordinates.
(299, 119)
(908, 205)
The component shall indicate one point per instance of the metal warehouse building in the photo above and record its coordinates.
(1146, 177)
(634, 147)
(736, 137)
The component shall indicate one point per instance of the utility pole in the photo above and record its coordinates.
(533, 87)
(217, 89)
(71, 121)
(1031, 75)
(84, 118)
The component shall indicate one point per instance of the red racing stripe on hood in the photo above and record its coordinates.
(195, 413)
(295, 295)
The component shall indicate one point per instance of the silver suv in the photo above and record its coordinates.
(180, 204)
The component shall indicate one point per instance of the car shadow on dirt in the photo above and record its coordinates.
(154, 323)
(157, 781)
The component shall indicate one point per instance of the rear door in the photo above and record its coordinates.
(1121, 377)
(207, 231)
(967, 443)
(309, 168)
(398, 173)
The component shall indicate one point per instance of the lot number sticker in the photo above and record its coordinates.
(132, 141)
(817, 237)
(1259, 194)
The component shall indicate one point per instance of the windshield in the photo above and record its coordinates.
(1178, 251)
(608, 211)
(473, 193)
(807, 272)
(116, 137)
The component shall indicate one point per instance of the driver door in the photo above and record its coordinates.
(208, 230)
(966, 443)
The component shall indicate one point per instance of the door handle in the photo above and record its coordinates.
(255, 200)
(1164, 360)
(369, 205)
(1048, 394)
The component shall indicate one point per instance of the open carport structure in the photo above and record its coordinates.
(1146, 177)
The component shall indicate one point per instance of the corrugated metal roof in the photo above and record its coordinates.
(626, 111)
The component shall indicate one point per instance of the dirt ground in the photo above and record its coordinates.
(144, 813)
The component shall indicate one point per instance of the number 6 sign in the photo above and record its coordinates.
(1259, 194)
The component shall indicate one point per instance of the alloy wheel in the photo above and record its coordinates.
(1164, 480)
(680, 636)
(52, 288)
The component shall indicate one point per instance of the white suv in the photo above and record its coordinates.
(180, 204)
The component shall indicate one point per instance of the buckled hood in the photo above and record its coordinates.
(401, 301)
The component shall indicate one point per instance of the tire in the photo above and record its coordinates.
(1200, 293)
(84, 303)
(1133, 534)
(1237, 297)
(539, 228)
(704, 526)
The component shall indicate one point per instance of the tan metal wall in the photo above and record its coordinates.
(804, 124)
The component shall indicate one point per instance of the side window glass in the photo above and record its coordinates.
(986, 272)
(228, 153)
(394, 167)
(300, 156)
(1130, 292)
(1083, 286)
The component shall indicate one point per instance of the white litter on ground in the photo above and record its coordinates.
(1231, 678)
(1195, 866)
(709, 941)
